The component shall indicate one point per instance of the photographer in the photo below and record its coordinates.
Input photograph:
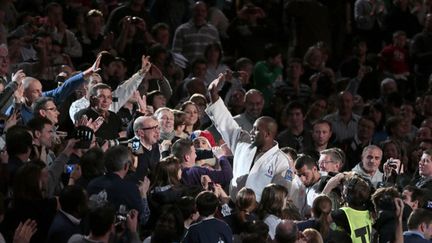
(385, 208)
(355, 218)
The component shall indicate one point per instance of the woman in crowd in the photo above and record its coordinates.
(273, 200)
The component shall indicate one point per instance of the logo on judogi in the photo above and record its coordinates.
(289, 175)
(269, 171)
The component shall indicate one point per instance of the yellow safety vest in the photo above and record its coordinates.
(360, 223)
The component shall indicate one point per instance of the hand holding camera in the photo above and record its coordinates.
(392, 166)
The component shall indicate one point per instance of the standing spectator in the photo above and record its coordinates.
(254, 104)
(191, 38)
(296, 136)
(421, 54)
(268, 71)
(120, 191)
(344, 121)
(368, 166)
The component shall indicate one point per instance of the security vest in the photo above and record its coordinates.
(360, 223)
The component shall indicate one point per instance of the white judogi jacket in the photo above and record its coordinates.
(274, 166)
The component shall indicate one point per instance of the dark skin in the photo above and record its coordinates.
(265, 128)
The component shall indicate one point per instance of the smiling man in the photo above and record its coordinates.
(368, 167)
(100, 101)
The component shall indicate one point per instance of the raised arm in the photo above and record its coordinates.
(221, 117)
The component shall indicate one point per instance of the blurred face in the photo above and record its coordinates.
(407, 199)
(407, 111)
(365, 129)
(376, 115)
(213, 54)
(308, 176)
(295, 70)
(55, 15)
(318, 109)
(150, 131)
(45, 136)
(316, 58)
(321, 134)
(345, 102)
(166, 121)
(371, 160)
(199, 13)
(33, 91)
(159, 101)
(295, 118)
(327, 164)
(50, 111)
(254, 104)
(276, 61)
(162, 37)
(390, 151)
(425, 165)
(399, 40)
(423, 133)
(201, 143)
(192, 155)
(4, 61)
(200, 70)
(191, 115)
(103, 99)
(94, 25)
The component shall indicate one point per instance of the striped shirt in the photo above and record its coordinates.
(191, 40)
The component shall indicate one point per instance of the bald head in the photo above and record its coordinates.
(254, 103)
(32, 89)
(269, 124)
(286, 232)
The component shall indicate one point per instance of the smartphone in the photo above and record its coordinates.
(70, 168)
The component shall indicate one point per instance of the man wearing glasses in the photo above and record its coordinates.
(147, 129)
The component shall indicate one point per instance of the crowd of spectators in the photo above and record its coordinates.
(215, 121)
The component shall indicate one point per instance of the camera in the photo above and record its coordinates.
(85, 136)
(236, 74)
(121, 215)
(392, 164)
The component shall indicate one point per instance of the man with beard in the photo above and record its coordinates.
(321, 134)
(258, 160)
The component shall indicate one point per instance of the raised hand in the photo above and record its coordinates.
(25, 231)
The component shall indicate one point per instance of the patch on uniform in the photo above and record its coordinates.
(269, 172)
(289, 175)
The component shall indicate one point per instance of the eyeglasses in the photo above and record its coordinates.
(151, 128)
(51, 109)
(325, 161)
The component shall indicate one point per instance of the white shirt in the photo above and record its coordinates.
(273, 166)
